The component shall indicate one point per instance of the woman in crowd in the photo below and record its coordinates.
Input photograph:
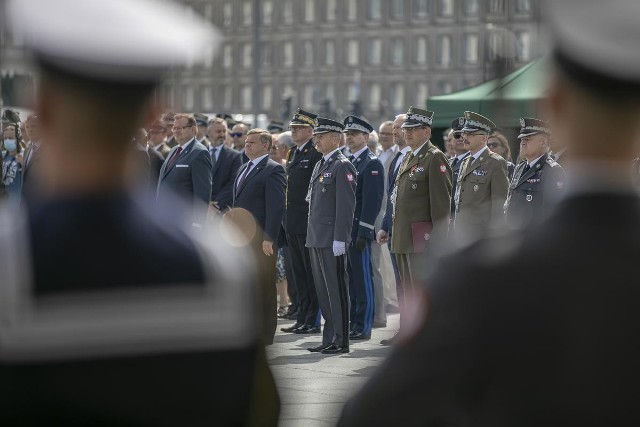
(11, 164)
(498, 144)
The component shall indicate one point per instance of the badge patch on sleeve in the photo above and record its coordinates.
(374, 173)
(443, 168)
(350, 177)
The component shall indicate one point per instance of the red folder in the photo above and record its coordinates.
(421, 233)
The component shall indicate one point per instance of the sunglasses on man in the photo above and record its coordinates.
(235, 134)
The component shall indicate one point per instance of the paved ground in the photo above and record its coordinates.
(313, 387)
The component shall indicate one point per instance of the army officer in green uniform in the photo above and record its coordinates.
(421, 201)
(482, 183)
(538, 180)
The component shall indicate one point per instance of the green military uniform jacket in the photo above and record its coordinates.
(422, 193)
(481, 192)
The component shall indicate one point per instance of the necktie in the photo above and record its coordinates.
(351, 158)
(526, 168)
(395, 163)
(213, 157)
(244, 175)
(455, 161)
(174, 159)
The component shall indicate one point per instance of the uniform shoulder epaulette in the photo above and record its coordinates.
(372, 156)
(551, 161)
(496, 156)
(434, 150)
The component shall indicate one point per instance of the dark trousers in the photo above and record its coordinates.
(396, 273)
(361, 289)
(292, 289)
(266, 266)
(308, 312)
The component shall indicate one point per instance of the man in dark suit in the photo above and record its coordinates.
(300, 163)
(226, 163)
(332, 199)
(369, 193)
(111, 313)
(186, 173)
(533, 329)
(31, 157)
(260, 189)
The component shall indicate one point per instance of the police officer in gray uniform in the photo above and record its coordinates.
(538, 180)
(332, 199)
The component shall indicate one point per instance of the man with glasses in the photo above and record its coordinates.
(461, 153)
(538, 180)
(187, 172)
(157, 139)
(238, 136)
(421, 204)
(482, 184)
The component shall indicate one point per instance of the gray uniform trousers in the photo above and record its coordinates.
(331, 280)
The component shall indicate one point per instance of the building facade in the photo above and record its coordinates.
(374, 57)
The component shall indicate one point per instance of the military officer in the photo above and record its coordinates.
(461, 153)
(482, 184)
(537, 179)
(301, 161)
(332, 199)
(369, 194)
(275, 127)
(421, 201)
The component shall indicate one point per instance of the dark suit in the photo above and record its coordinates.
(225, 171)
(32, 157)
(262, 193)
(110, 380)
(300, 164)
(530, 336)
(156, 160)
(369, 194)
(189, 179)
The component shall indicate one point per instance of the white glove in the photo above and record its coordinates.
(339, 248)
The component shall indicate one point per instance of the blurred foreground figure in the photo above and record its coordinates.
(109, 313)
(536, 329)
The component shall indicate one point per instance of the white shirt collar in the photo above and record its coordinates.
(479, 153)
(415, 153)
(302, 146)
(331, 154)
(405, 150)
(462, 156)
(184, 146)
(535, 161)
(258, 160)
(357, 153)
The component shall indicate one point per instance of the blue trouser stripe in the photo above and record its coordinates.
(368, 289)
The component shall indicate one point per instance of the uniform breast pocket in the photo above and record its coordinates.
(327, 181)
(417, 184)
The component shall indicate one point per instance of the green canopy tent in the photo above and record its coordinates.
(504, 100)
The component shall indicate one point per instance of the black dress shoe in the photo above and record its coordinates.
(319, 348)
(335, 349)
(353, 332)
(390, 340)
(293, 328)
(306, 329)
(359, 336)
(291, 315)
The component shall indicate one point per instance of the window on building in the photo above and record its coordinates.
(308, 97)
(266, 55)
(207, 57)
(397, 97)
(420, 8)
(207, 98)
(470, 7)
(352, 10)
(496, 6)
(495, 44)
(207, 11)
(374, 52)
(353, 91)
(397, 52)
(422, 94)
(227, 14)
(375, 96)
(287, 54)
(471, 43)
(247, 55)
(446, 8)
(374, 10)
(309, 11)
(288, 90)
(267, 12)
(331, 10)
(246, 98)
(227, 56)
(397, 9)
(169, 95)
(523, 6)
(421, 50)
(330, 92)
(227, 99)
(307, 53)
(444, 54)
(187, 97)
(523, 47)
(287, 11)
(247, 13)
(329, 52)
(353, 53)
(445, 87)
(266, 97)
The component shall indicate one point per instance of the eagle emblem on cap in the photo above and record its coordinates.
(522, 123)
(350, 119)
(461, 121)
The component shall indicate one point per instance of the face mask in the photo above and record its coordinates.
(10, 144)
